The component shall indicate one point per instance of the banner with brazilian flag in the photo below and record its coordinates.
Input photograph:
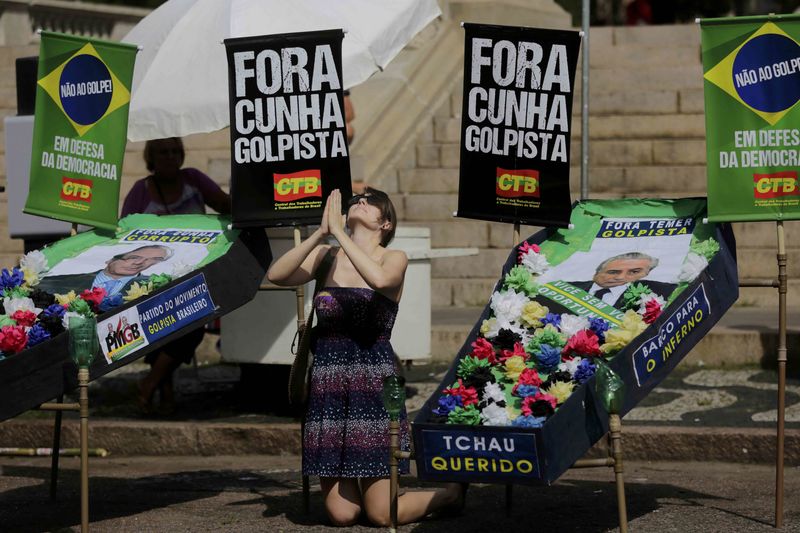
(79, 131)
(751, 71)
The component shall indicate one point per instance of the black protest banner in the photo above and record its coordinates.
(288, 139)
(515, 128)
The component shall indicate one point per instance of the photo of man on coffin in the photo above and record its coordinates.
(616, 274)
(120, 272)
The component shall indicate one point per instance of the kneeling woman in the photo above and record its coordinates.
(346, 440)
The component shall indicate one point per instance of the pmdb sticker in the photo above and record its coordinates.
(85, 89)
(767, 72)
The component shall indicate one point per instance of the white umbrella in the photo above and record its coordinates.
(180, 83)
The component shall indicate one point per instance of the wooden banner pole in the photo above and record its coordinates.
(516, 234)
(782, 289)
(83, 384)
(56, 448)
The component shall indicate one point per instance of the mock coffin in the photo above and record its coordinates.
(636, 283)
(153, 280)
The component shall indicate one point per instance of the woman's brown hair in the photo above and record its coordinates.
(382, 201)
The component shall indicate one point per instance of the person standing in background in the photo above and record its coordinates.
(171, 190)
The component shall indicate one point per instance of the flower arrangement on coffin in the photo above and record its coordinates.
(33, 316)
(527, 361)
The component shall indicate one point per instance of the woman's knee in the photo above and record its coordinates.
(343, 516)
(378, 515)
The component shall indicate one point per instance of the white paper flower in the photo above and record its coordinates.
(494, 415)
(34, 261)
(179, 268)
(572, 324)
(490, 328)
(692, 266)
(12, 305)
(493, 392)
(535, 263)
(65, 318)
(570, 365)
(507, 305)
(648, 297)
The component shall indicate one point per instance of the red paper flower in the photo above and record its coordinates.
(94, 296)
(24, 318)
(483, 349)
(584, 343)
(468, 394)
(519, 350)
(546, 398)
(12, 339)
(529, 376)
(652, 309)
(524, 248)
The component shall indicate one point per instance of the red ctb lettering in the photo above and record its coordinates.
(297, 185)
(517, 183)
(73, 189)
(776, 185)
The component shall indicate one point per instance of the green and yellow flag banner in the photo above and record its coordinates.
(751, 71)
(80, 128)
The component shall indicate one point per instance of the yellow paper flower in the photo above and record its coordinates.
(633, 322)
(618, 338)
(512, 411)
(65, 299)
(560, 390)
(31, 277)
(514, 367)
(532, 313)
(137, 291)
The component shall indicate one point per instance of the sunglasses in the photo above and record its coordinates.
(356, 198)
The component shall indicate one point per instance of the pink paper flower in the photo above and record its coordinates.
(94, 296)
(652, 310)
(519, 351)
(483, 349)
(468, 394)
(524, 248)
(584, 343)
(24, 318)
(530, 376)
(13, 339)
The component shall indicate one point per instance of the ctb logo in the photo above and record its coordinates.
(73, 189)
(517, 183)
(297, 185)
(776, 185)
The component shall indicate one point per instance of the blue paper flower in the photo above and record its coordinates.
(552, 319)
(528, 421)
(55, 310)
(548, 357)
(110, 302)
(523, 391)
(37, 334)
(599, 326)
(9, 280)
(447, 403)
(584, 371)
